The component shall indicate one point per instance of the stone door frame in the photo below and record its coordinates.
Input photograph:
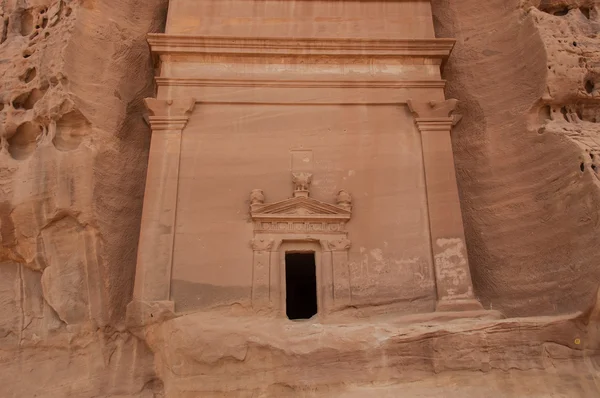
(302, 246)
(332, 270)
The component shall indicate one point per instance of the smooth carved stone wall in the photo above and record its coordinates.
(374, 152)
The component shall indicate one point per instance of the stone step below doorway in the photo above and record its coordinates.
(213, 355)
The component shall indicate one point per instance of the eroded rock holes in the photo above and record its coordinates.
(585, 11)
(4, 30)
(29, 75)
(560, 12)
(27, 23)
(589, 86)
(23, 143)
(29, 99)
(70, 130)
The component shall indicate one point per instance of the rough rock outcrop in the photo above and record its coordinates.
(212, 355)
(526, 150)
(73, 149)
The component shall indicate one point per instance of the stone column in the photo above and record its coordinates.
(453, 277)
(151, 296)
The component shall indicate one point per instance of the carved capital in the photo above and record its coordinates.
(432, 109)
(262, 244)
(434, 115)
(339, 244)
(172, 114)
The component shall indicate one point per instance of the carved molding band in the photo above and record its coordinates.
(392, 84)
(158, 123)
(442, 124)
(303, 227)
(186, 44)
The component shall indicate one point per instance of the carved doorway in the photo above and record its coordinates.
(300, 225)
(300, 285)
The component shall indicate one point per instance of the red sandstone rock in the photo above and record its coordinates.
(73, 75)
(73, 156)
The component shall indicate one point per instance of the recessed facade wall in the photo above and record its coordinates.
(373, 152)
(294, 124)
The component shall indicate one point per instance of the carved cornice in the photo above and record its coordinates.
(188, 44)
(199, 82)
(169, 114)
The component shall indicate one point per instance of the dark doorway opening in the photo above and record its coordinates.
(300, 285)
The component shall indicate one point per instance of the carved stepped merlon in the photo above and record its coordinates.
(305, 220)
(151, 295)
(453, 277)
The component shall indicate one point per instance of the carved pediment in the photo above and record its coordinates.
(300, 207)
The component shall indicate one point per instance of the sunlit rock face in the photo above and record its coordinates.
(73, 153)
(527, 149)
(74, 147)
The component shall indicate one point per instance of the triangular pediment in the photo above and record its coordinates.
(300, 208)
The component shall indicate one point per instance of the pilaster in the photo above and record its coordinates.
(167, 118)
(453, 277)
(342, 296)
(261, 273)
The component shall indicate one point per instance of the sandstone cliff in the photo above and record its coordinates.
(73, 148)
(72, 164)
(527, 149)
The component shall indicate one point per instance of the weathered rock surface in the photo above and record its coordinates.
(526, 149)
(214, 355)
(73, 149)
